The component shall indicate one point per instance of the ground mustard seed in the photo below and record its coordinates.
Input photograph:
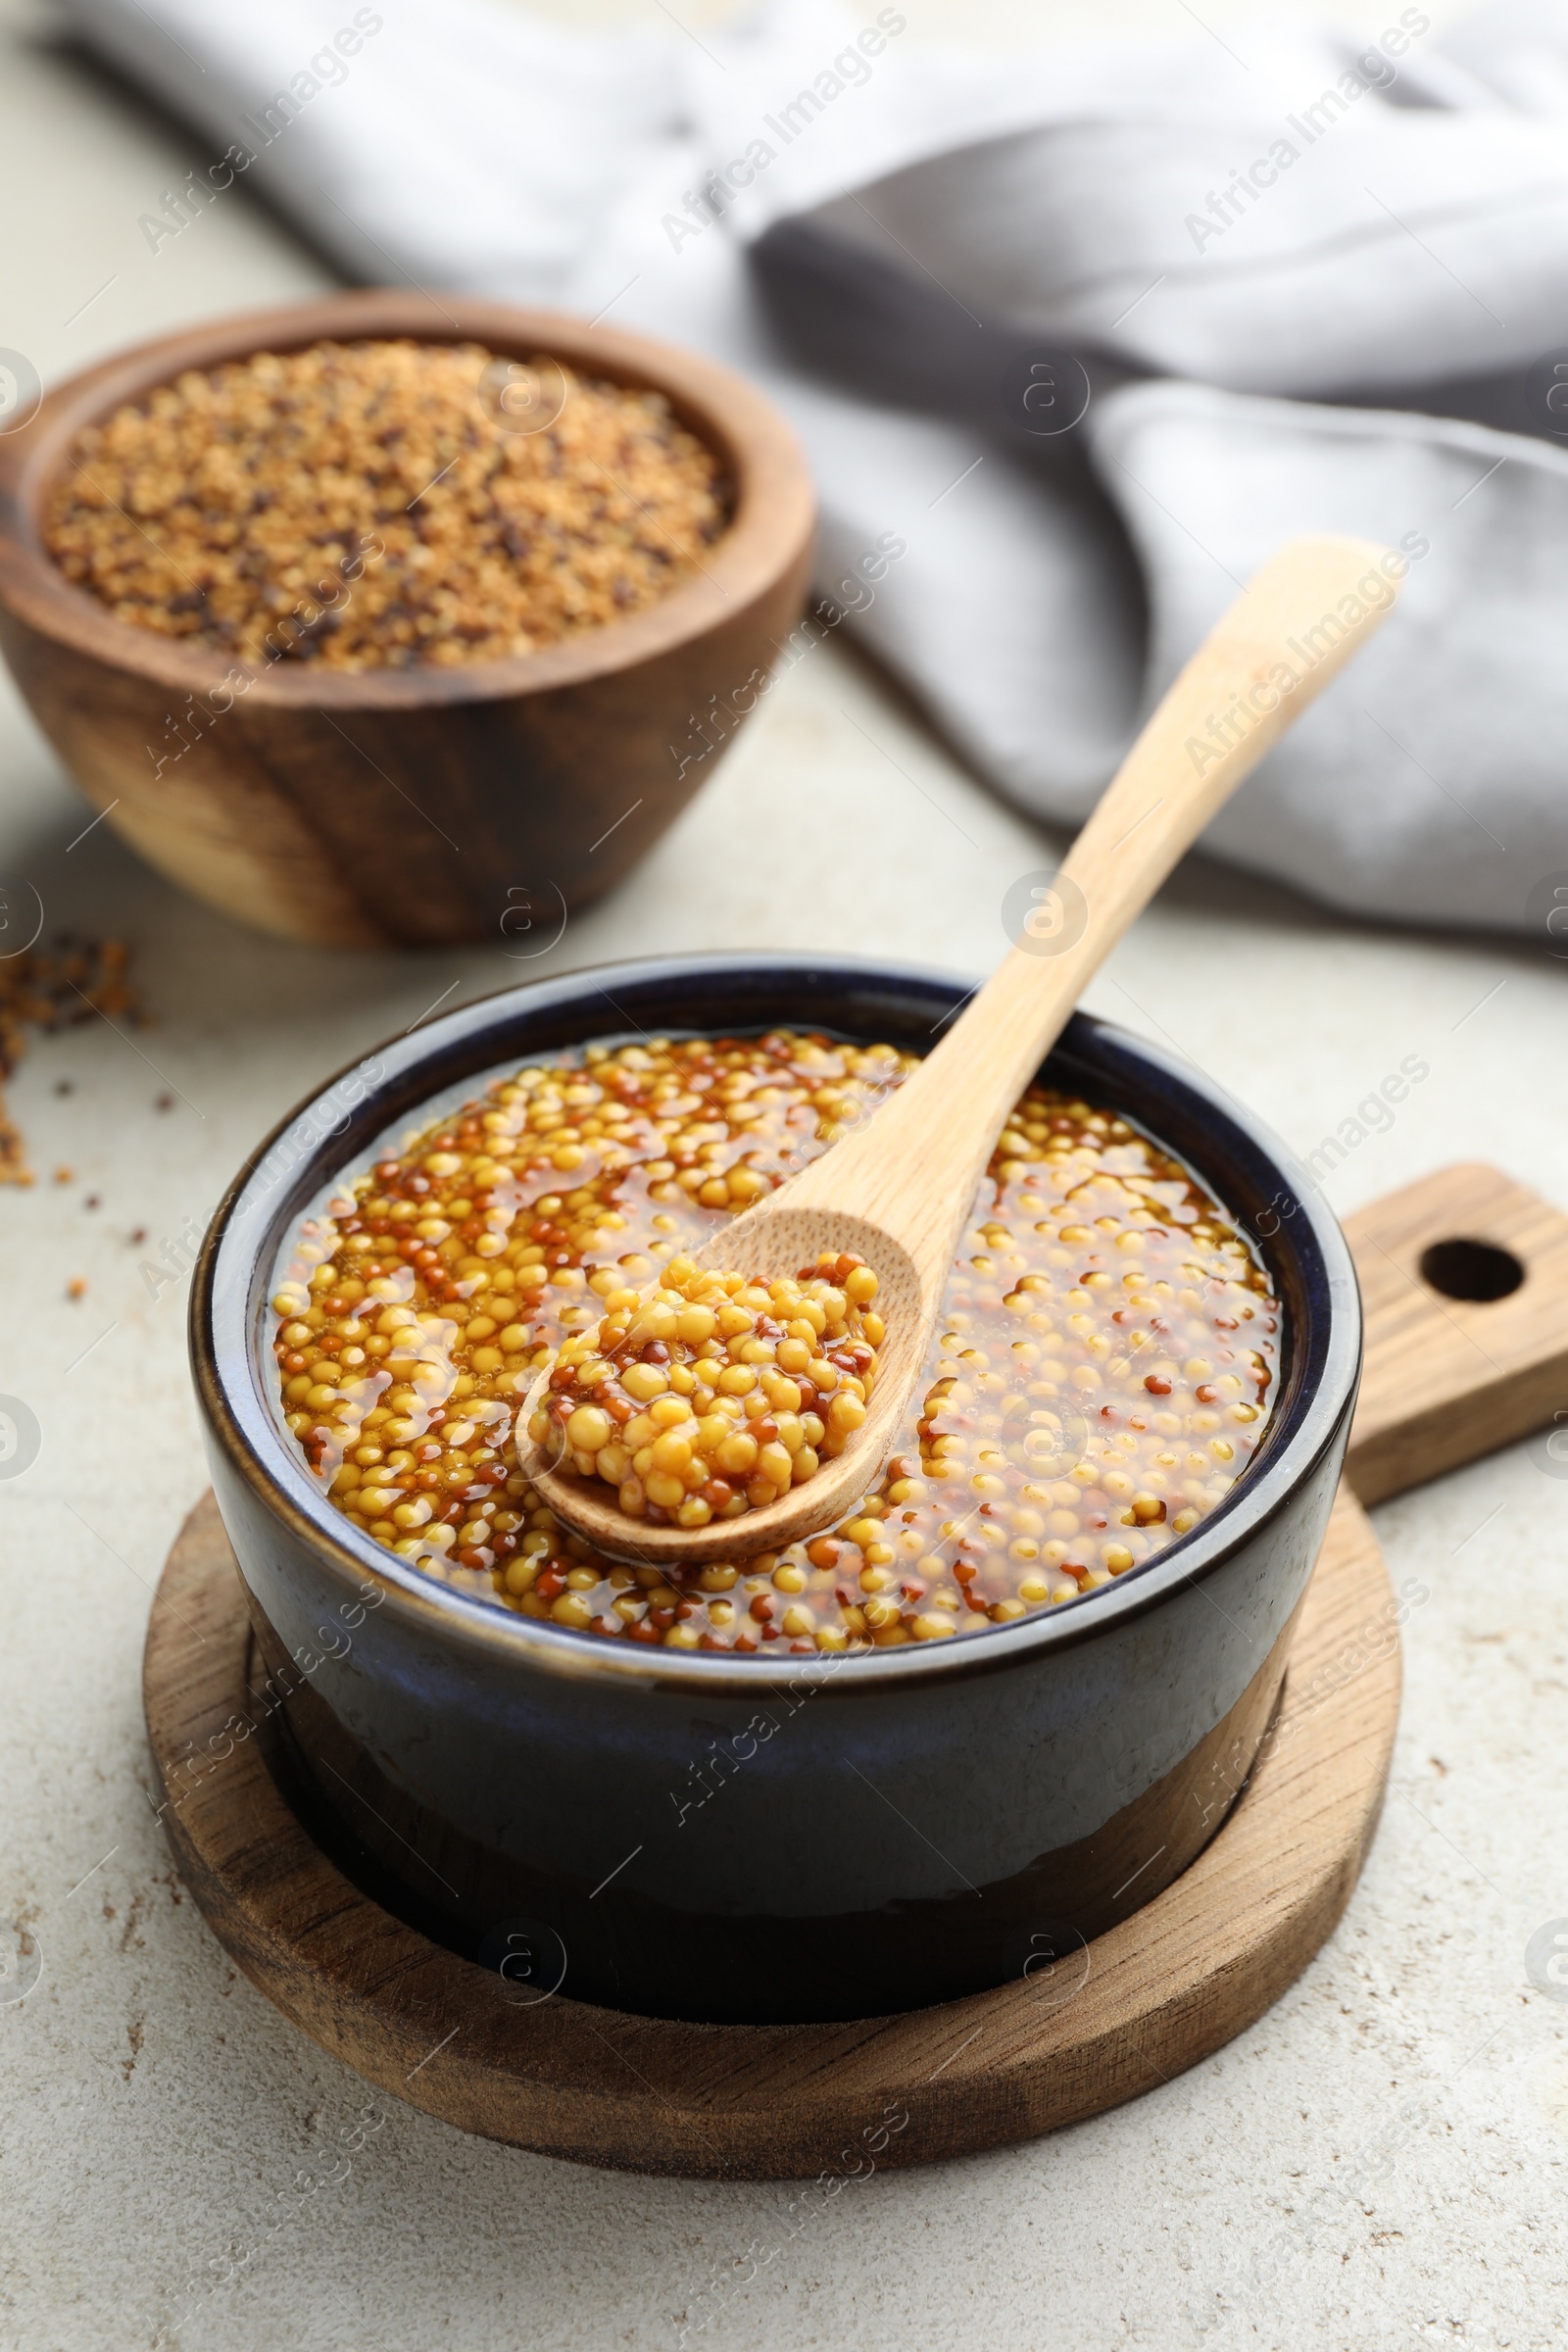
(369, 505)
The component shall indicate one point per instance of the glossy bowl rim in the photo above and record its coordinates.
(241, 1420)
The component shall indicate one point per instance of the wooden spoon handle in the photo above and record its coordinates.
(1292, 629)
(914, 1171)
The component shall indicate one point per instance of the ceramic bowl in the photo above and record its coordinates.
(699, 1836)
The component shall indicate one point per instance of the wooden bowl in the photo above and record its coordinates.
(414, 806)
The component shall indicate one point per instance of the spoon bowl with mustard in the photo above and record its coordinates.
(751, 1396)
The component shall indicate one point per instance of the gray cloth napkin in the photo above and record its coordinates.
(1074, 338)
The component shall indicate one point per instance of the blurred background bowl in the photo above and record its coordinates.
(412, 806)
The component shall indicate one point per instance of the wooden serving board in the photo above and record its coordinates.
(1451, 1375)
(1446, 1379)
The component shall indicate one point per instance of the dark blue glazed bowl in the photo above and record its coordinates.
(699, 1835)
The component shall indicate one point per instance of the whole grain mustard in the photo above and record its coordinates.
(1104, 1368)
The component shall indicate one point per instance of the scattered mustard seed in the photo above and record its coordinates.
(47, 992)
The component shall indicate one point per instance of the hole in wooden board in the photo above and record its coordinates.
(1463, 1269)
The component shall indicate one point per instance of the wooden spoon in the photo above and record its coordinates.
(898, 1193)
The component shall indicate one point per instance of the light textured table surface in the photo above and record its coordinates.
(1380, 2162)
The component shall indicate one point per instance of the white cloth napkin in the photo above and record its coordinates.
(1306, 282)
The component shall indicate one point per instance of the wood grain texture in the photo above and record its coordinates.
(1447, 1379)
(1158, 1993)
(402, 807)
(897, 1192)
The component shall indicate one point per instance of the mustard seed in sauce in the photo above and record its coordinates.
(713, 1396)
(1104, 1370)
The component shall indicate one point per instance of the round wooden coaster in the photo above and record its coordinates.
(1158, 1992)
